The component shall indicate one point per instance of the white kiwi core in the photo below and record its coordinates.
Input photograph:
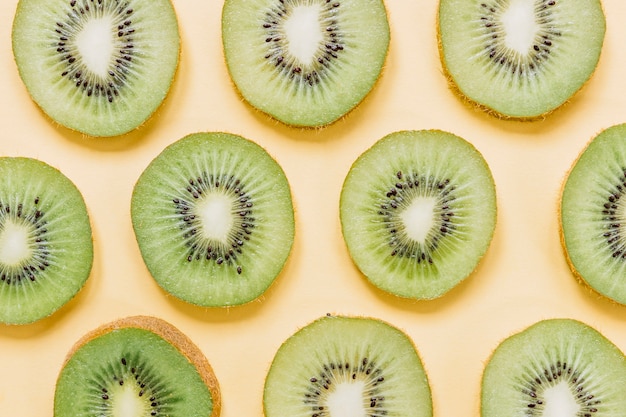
(127, 402)
(14, 245)
(560, 402)
(95, 45)
(520, 25)
(215, 213)
(304, 32)
(418, 218)
(347, 400)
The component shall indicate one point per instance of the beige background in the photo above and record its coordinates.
(522, 279)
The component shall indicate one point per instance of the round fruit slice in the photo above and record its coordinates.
(46, 248)
(136, 366)
(593, 214)
(306, 63)
(98, 67)
(347, 366)
(214, 219)
(557, 367)
(418, 211)
(520, 58)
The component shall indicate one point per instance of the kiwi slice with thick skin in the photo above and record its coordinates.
(46, 248)
(520, 59)
(347, 366)
(555, 368)
(101, 67)
(418, 212)
(305, 63)
(214, 219)
(593, 213)
(136, 366)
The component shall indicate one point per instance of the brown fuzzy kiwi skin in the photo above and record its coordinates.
(484, 108)
(568, 260)
(173, 336)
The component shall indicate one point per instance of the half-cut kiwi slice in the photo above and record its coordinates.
(136, 366)
(214, 219)
(520, 58)
(555, 368)
(46, 248)
(418, 212)
(101, 67)
(593, 214)
(347, 366)
(306, 63)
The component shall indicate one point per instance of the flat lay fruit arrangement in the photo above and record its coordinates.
(324, 208)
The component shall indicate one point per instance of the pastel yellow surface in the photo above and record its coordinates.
(522, 279)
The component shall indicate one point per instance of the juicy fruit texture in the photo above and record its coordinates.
(520, 58)
(101, 67)
(305, 63)
(593, 213)
(46, 248)
(136, 366)
(555, 368)
(418, 211)
(214, 219)
(347, 366)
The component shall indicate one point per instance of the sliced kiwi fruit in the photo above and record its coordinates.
(593, 212)
(342, 366)
(100, 67)
(305, 63)
(214, 219)
(555, 368)
(520, 59)
(418, 212)
(46, 248)
(136, 366)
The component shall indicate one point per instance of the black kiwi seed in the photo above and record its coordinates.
(75, 70)
(513, 61)
(334, 373)
(277, 49)
(400, 194)
(35, 221)
(610, 218)
(202, 249)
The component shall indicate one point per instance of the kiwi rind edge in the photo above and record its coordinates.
(579, 278)
(98, 132)
(173, 336)
(312, 127)
(456, 90)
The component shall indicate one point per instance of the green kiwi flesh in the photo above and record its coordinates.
(136, 366)
(214, 219)
(305, 63)
(46, 248)
(593, 213)
(100, 67)
(555, 368)
(418, 212)
(347, 366)
(520, 59)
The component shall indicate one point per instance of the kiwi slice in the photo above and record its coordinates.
(101, 67)
(136, 366)
(555, 368)
(305, 63)
(520, 59)
(593, 212)
(214, 219)
(341, 366)
(418, 211)
(46, 248)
